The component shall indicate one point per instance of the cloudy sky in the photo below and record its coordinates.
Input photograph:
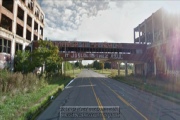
(97, 20)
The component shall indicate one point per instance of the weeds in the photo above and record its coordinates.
(23, 95)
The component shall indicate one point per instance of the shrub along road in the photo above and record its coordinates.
(93, 89)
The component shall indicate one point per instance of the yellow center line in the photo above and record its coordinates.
(98, 101)
(128, 104)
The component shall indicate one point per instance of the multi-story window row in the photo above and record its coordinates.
(30, 5)
(28, 18)
(21, 22)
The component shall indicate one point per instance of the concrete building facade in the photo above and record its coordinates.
(161, 33)
(21, 23)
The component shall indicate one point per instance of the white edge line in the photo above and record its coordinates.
(69, 83)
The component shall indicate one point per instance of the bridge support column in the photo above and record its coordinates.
(118, 68)
(126, 70)
(62, 68)
(165, 66)
(134, 69)
(145, 69)
(154, 67)
(80, 62)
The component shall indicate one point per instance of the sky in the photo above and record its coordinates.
(98, 20)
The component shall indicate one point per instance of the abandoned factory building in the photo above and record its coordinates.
(21, 23)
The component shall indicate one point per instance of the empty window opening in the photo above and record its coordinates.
(23, 1)
(28, 35)
(19, 30)
(5, 45)
(41, 31)
(30, 4)
(28, 48)
(8, 4)
(37, 12)
(18, 47)
(35, 26)
(20, 14)
(6, 23)
(29, 21)
(42, 18)
(35, 38)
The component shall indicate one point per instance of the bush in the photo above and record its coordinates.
(17, 82)
(113, 74)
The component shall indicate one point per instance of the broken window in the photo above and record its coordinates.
(42, 18)
(30, 4)
(6, 22)
(35, 38)
(28, 48)
(29, 21)
(28, 35)
(5, 45)
(20, 14)
(37, 12)
(8, 4)
(18, 47)
(19, 30)
(41, 31)
(35, 26)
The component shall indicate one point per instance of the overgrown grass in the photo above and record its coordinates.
(73, 73)
(168, 88)
(113, 72)
(29, 100)
(165, 89)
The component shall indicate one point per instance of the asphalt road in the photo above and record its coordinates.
(91, 90)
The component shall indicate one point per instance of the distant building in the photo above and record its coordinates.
(161, 33)
(21, 22)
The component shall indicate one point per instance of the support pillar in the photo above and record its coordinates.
(155, 67)
(13, 43)
(62, 67)
(134, 69)
(134, 35)
(32, 29)
(145, 33)
(163, 31)
(0, 9)
(165, 65)
(139, 34)
(153, 26)
(126, 70)
(145, 69)
(24, 29)
(102, 66)
(118, 68)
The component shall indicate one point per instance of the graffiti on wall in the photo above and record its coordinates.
(87, 44)
(92, 55)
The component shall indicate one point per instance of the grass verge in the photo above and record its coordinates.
(165, 89)
(29, 105)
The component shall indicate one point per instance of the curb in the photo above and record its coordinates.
(41, 108)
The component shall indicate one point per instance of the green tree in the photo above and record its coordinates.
(101, 65)
(98, 65)
(107, 65)
(47, 54)
(78, 64)
(22, 61)
(68, 66)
